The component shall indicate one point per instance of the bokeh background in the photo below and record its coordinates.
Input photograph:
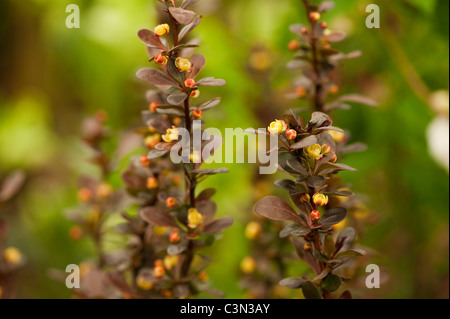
(51, 77)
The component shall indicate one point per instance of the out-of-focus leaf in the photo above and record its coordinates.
(336, 36)
(346, 295)
(293, 283)
(155, 216)
(315, 181)
(311, 291)
(154, 76)
(198, 63)
(170, 110)
(328, 168)
(206, 194)
(297, 29)
(328, 246)
(211, 82)
(177, 98)
(275, 208)
(188, 3)
(356, 98)
(286, 184)
(307, 141)
(326, 6)
(345, 239)
(351, 253)
(322, 275)
(210, 171)
(174, 250)
(218, 225)
(210, 104)
(191, 26)
(183, 16)
(331, 283)
(11, 185)
(333, 216)
(153, 154)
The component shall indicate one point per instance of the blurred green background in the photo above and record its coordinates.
(52, 76)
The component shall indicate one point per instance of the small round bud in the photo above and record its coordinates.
(252, 230)
(171, 261)
(195, 157)
(159, 271)
(313, 151)
(248, 265)
(197, 114)
(334, 158)
(301, 92)
(291, 134)
(304, 31)
(152, 140)
(160, 60)
(162, 30)
(315, 215)
(144, 283)
(104, 190)
(323, 25)
(305, 198)
(326, 150)
(320, 199)
(152, 183)
(174, 237)
(314, 16)
(334, 89)
(101, 116)
(171, 202)
(75, 232)
(84, 195)
(153, 106)
(195, 94)
(158, 263)
(12, 255)
(190, 83)
(203, 276)
(177, 179)
(144, 160)
(195, 218)
(307, 247)
(294, 45)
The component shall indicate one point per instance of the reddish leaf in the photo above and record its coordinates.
(155, 216)
(336, 36)
(326, 6)
(183, 16)
(154, 76)
(211, 82)
(189, 27)
(210, 104)
(198, 63)
(218, 225)
(308, 141)
(356, 98)
(275, 208)
(150, 38)
(11, 185)
(188, 3)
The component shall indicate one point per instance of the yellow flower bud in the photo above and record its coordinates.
(171, 135)
(159, 271)
(159, 231)
(334, 89)
(152, 140)
(183, 65)
(162, 30)
(337, 136)
(340, 225)
(307, 247)
(104, 190)
(144, 283)
(252, 230)
(334, 159)
(305, 198)
(314, 151)
(160, 60)
(12, 255)
(314, 16)
(195, 157)
(195, 94)
(171, 261)
(194, 218)
(277, 127)
(320, 199)
(326, 150)
(152, 183)
(248, 265)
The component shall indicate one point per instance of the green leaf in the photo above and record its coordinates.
(311, 291)
(331, 283)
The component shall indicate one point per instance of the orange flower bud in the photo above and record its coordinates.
(152, 107)
(159, 271)
(162, 30)
(104, 190)
(203, 276)
(75, 232)
(144, 160)
(152, 183)
(291, 134)
(195, 94)
(160, 60)
(177, 121)
(197, 114)
(314, 16)
(171, 202)
(84, 195)
(315, 215)
(304, 30)
(174, 237)
(326, 150)
(177, 179)
(334, 158)
(323, 25)
(252, 230)
(158, 263)
(334, 89)
(320, 199)
(294, 45)
(190, 83)
(152, 140)
(301, 92)
(307, 247)
(305, 198)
